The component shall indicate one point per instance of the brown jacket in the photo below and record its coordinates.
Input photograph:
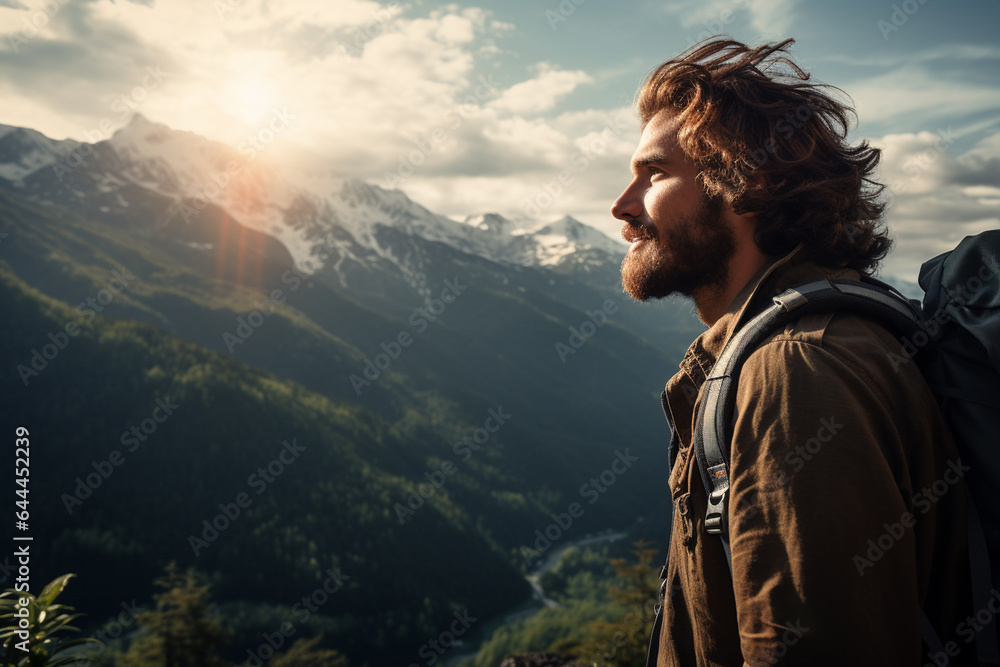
(845, 508)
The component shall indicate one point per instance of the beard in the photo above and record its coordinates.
(694, 255)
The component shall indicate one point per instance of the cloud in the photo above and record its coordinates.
(943, 52)
(580, 164)
(541, 93)
(713, 17)
(354, 71)
(773, 16)
(697, 12)
(401, 97)
(936, 198)
(74, 69)
(412, 95)
(980, 166)
(921, 98)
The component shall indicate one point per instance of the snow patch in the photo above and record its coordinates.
(316, 215)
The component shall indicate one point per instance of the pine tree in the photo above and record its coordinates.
(623, 643)
(181, 631)
(302, 654)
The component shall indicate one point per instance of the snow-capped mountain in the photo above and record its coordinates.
(24, 151)
(325, 221)
(545, 244)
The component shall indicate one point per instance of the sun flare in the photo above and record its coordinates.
(248, 97)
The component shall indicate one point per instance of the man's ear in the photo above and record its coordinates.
(744, 225)
(754, 181)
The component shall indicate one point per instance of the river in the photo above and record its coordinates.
(538, 599)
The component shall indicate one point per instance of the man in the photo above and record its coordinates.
(743, 184)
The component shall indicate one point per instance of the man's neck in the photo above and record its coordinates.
(712, 302)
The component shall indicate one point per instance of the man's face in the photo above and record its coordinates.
(681, 242)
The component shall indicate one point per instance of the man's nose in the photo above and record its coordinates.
(628, 205)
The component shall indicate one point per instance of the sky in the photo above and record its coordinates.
(516, 107)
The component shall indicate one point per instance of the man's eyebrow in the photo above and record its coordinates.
(651, 158)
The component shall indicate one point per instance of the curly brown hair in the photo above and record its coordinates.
(771, 143)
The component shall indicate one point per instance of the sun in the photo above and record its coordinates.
(249, 97)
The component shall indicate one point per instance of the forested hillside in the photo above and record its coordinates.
(115, 505)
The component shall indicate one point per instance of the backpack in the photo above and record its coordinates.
(955, 337)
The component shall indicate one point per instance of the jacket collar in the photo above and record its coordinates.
(773, 278)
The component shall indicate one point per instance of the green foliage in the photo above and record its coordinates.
(332, 508)
(185, 630)
(602, 617)
(542, 632)
(579, 582)
(623, 642)
(582, 573)
(336, 507)
(181, 631)
(33, 644)
(304, 653)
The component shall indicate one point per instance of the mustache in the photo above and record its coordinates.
(636, 231)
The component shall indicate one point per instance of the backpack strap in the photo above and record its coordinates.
(713, 431)
(715, 418)
(714, 426)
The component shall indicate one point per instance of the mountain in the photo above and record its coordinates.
(547, 244)
(239, 473)
(180, 187)
(172, 189)
(310, 212)
(24, 151)
(352, 300)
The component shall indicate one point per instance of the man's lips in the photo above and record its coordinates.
(636, 233)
